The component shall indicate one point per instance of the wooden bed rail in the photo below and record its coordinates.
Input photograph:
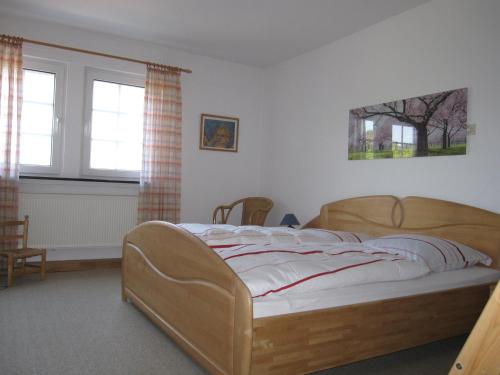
(189, 291)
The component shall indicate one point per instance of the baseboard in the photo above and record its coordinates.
(77, 265)
(78, 253)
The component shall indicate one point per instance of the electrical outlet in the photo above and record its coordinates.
(471, 129)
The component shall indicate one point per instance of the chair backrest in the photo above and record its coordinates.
(254, 212)
(11, 235)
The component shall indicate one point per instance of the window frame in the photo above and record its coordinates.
(402, 129)
(59, 70)
(121, 78)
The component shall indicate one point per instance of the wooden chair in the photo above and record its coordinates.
(255, 210)
(17, 256)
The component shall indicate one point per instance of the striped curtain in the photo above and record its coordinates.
(160, 189)
(11, 100)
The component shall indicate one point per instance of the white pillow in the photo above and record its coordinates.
(438, 254)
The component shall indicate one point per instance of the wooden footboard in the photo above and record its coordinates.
(190, 292)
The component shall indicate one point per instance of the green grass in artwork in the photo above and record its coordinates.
(459, 149)
(385, 154)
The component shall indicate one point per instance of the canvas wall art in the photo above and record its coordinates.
(429, 125)
(219, 133)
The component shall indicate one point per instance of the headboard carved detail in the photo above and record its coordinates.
(386, 214)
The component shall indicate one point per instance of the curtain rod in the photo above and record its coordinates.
(168, 67)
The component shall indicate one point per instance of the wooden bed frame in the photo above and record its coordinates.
(192, 295)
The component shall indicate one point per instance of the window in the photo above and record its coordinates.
(114, 122)
(369, 135)
(403, 140)
(402, 136)
(43, 103)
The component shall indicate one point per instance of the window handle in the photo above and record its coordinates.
(57, 125)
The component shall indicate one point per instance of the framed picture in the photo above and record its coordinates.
(219, 133)
(428, 125)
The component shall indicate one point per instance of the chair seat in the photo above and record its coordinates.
(22, 253)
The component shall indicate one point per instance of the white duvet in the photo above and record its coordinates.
(275, 261)
(225, 235)
(290, 268)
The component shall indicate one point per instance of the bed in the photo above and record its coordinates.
(195, 297)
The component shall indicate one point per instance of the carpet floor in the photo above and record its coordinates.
(76, 323)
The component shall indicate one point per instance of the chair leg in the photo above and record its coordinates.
(42, 265)
(10, 270)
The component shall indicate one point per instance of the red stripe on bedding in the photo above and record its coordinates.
(424, 241)
(224, 246)
(455, 246)
(295, 261)
(359, 239)
(383, 252)
(360, 251)
(274, 251)
(349, 251)
(317, 275)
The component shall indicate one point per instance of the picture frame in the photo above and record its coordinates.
(427, 125)
(219, 133)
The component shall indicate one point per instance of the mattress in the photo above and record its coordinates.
(297, 302)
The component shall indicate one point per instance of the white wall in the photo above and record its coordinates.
(208, 178)
(444, 44)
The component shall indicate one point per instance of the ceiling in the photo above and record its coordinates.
(252, 32)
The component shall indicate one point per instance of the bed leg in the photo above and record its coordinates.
(124, 295)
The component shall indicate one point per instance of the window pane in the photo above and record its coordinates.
(129, 156)
(36, 149)
(408, 134)
(131, 99)
(368, 125)
(103, 155)
(106, 96)
(117, 119)
(37, 118)
(396, 133)
(130, 128)
(38, 86)
(104, 125)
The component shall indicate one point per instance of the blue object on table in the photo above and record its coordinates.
(290, 220)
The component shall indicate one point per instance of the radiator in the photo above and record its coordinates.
(78, 226)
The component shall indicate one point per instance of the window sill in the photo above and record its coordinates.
(49, 185)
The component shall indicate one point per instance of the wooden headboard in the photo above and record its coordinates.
(386, 214)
